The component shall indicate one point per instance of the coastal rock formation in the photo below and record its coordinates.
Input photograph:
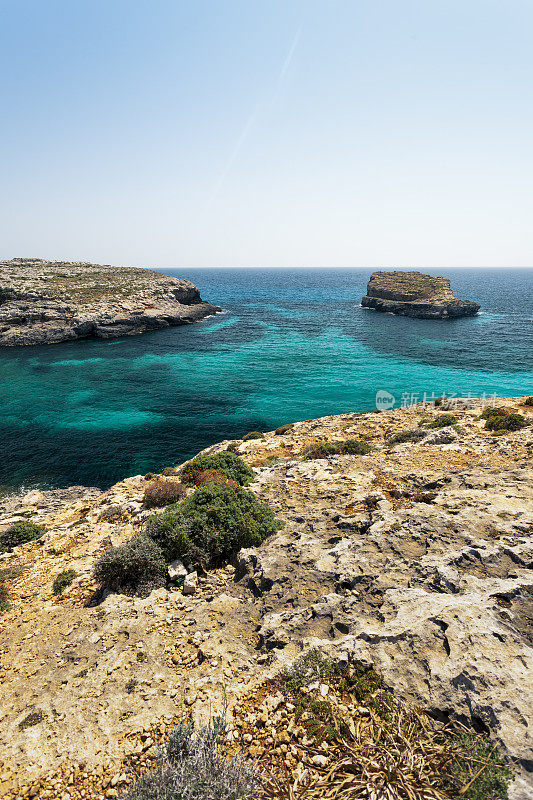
(414, 294)
(415, 558)
(45, 302)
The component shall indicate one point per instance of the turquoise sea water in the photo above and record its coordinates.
(290, 344)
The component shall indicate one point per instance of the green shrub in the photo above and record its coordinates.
(169, 531)
(493, 411)
(111, 514)
(442, 421)
(19, 533)
(509, 422)
(213, 524)
(284, 429)
(136, 567)
(348, 447)
(32, 719)
(63, 580)
(163, 492)
(225, 462)
(528, 401)
(402, 437)
(252, 435)
(4, 595)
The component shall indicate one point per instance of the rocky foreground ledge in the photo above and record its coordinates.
(415, 558)
(414, 294)
(45, 302)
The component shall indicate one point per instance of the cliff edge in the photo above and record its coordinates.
(414, 294)
(45, 302)
(414, 557)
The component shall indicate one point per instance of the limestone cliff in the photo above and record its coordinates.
(415, 558)
(414, 294)
(45, 302)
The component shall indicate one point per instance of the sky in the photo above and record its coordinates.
(355, 133)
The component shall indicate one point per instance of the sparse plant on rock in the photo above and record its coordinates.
(136, 567)
(508, 422)
(111, 514)
(20, 533)
(225, 462)
(195, 766)
(63, 580)
(161, 493)
(350, 447)
(442, 421)
(402, 437)
(284, 429)
(252, 435)
(528, 401)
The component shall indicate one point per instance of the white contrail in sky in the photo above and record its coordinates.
(250, 121)
(290, 54)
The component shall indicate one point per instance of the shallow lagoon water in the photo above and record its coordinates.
(290, 344)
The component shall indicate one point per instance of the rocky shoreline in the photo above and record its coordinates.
(46, 302)
(415, 558)
(414, 294)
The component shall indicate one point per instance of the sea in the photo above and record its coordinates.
(289, 344)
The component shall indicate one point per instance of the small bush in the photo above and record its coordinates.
(169, 531)
(225, 462)
(442, 421)
(111, 514)
(284, 429)
(348, 447)
(528, 401)
(169, 471)
(212, 524)
(195, 766)
(131, 685)
(136, 567)
(20, 533)
(32, 719)
(63, 580)
(4, 595)
(402, 437)
(493, 411)
(211, 476)
(509, 422)
(163, 492)
(252, 435)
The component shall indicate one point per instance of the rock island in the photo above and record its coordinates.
(414, 294)
(45, 302)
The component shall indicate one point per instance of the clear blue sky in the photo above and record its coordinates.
(273, 132)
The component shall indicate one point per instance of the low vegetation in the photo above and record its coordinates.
(351, 447)
(381, 748)
(402, 437)
(528, 401)
(225, 462)
(252, 435)
(161, 493)
(63, 580)
(194, 765)
(506, 422)
(206, 529)
(284, 429)
(442, 421)
(20, 533)
(211, 525)
(136, 567)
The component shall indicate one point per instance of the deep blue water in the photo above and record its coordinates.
(291, 344)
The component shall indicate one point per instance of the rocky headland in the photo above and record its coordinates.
(414, 294)
(414, 558)
(45, 302)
